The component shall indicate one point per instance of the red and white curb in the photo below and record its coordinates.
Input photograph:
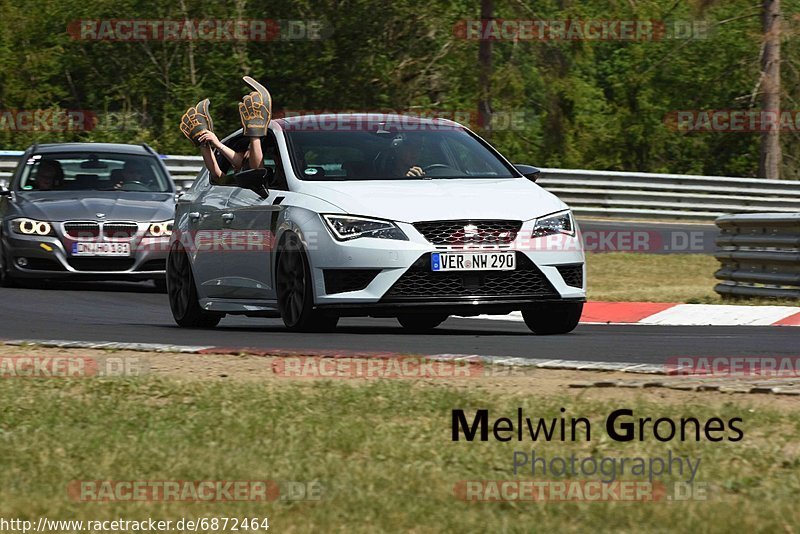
(672, 314)
(574, 365)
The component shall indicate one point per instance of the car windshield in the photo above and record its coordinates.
(93, 172)
(391, 154)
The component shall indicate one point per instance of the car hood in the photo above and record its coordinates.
(438, 199)
(115, 205)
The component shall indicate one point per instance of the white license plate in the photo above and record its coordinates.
(473, 261)
(101, 249)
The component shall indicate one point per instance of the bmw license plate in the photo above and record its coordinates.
(101, 249)
(473, 261)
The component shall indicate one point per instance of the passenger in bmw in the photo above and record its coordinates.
(255, 111)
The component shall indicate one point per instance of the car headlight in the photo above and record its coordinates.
(346, 227)
(558, 223)
(159, 229)
(31, 227)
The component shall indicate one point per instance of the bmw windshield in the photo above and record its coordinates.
(419, 151)
(93, 172)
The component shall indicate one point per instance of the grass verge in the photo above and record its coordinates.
(380, 449)
(689, 278)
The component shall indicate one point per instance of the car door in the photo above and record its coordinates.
(206, 228)
(253, 221)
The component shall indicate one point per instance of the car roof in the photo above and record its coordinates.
(372, 118)
(108, 148)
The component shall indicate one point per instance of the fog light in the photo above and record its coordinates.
(22, 262)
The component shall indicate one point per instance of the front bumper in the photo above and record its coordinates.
(396, 276)
(51, 257)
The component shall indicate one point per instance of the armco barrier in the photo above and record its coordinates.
(605, 193)
(759, 255)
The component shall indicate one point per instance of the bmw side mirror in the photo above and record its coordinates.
(528, 171)
(255, 180)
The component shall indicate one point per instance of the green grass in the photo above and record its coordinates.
(624, 276)
(381, 450)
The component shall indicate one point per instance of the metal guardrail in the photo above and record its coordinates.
(606, 193)
(759, 255)
(668, 196)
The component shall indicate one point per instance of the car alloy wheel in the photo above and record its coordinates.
(296, 291)
(183, 294)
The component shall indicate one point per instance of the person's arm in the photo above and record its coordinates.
(210, 161)
(256, 156)
(210, 138)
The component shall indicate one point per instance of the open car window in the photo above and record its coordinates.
(269, 148)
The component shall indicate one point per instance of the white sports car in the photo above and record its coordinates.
(383, 216)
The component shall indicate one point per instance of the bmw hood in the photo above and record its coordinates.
(438, 199)
(114, 205)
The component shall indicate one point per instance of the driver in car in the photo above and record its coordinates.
(255, 111)
(132, 173)
(48, 175)
(406, 158)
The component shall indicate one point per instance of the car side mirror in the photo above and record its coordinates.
(528, 171)
(255, 180)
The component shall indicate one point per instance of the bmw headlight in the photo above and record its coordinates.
(31, 227)
(558, 223)
(346, 227)
(160, 229)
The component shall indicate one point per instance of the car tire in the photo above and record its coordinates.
(421, 323)
(6, 280)
(295, 289)
(553, 318)
(161, 284)
(183, 300)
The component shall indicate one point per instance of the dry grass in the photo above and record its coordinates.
(659, 278)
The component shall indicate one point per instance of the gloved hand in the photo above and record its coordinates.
(255, 109)
(197, 120)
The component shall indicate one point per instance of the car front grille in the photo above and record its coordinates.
(120, 230)
(572, 274)
(344, 280)
(82, 230)
(421, 283)
(101, 264)
(466, 232)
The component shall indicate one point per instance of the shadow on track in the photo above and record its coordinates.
(91, 285)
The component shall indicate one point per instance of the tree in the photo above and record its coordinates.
(770, 153)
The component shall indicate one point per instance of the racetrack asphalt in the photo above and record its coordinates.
(134, 312)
